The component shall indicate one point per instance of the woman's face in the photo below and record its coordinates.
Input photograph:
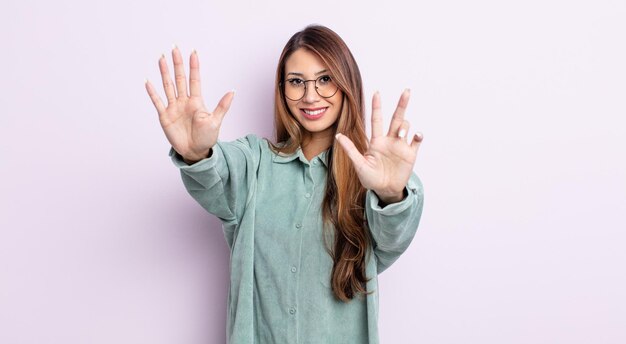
(314, 112)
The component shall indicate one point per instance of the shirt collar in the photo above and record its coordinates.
(284, 158)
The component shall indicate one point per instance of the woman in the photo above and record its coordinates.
(310, 225)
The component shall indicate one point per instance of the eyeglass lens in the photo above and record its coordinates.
(296, 87)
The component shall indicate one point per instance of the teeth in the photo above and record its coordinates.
(316, 112)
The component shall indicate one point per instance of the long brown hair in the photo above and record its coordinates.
(344, 199)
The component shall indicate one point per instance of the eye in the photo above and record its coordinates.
(325, 79)
(295, 82)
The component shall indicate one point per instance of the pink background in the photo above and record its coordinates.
(522, 105)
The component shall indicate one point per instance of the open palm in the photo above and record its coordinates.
(188, 125)
(387, 165)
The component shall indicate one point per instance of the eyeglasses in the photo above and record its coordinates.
(295, 88)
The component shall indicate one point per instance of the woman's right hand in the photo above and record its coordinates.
(188, 125)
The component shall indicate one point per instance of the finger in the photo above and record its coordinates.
(353, 153)
(156, 100)
(416, 142)
(377, 117)
(404, 129)
(168, 86)
(224, 104)
(179, 73)
(194, 75)
(398, 115)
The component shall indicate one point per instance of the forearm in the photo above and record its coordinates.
(394, 225)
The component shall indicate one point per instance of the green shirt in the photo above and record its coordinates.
(270, 208)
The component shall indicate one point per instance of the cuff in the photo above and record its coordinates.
(198, 166)
(412, 189)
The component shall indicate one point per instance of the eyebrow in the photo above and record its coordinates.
(300, 74)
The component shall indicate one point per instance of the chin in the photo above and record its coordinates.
(316, 127)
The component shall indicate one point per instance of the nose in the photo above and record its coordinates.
(310, 93)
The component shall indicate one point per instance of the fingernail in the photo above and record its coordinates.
(419, 136)
(162, 56)
(401, 133)
(145, 81)
(174, 46)
(408, 90)
(194, 51)
(233, 90)
(337, 136)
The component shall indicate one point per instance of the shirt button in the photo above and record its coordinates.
(292, 310)
(307, 195)
(314, 162)
(293, 269)
(298, 225)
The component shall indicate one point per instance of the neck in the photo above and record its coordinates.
(315, 143)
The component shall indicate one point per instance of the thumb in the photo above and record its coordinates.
(351, 150)
(224, 104)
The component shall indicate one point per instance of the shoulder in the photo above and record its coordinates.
(250, 144)
(262, 144)
(249, 141)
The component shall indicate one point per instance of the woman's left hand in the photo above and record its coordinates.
(387, 165)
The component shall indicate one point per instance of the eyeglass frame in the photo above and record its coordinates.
(282, 84)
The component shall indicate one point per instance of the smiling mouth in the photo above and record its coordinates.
(313, 113)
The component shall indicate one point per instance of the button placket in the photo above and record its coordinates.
(308, 183)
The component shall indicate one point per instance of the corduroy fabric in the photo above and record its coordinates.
(270, 208)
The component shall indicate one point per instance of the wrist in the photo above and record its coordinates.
(389, 198)
(192, 159)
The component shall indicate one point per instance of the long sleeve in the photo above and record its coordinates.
(394, 226)
(221, 183)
